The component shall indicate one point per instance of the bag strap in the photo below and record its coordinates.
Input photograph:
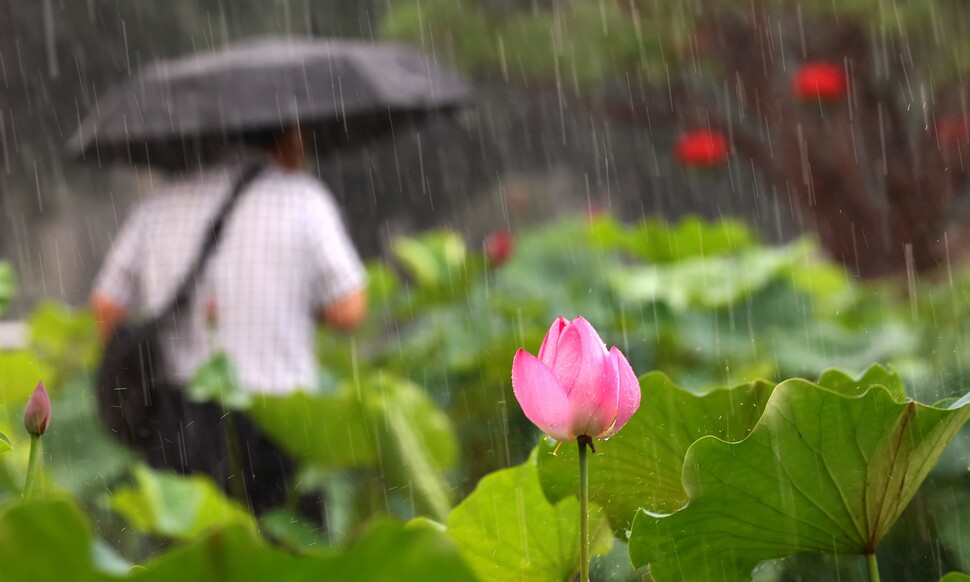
(183, 296)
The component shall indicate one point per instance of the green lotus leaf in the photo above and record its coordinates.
(170, 505)
(711, 282)
(63, 337)
(507, 530)
(822, 471)
(50, 540)
(876, 375)
(379, 422)
(331, 431)
(47, 540)
(386, 551)
(658, 241)
(432, 258)
(216, 381)
(641, 466)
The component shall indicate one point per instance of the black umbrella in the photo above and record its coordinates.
(178, 112)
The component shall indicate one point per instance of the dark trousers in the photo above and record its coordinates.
(203, 438)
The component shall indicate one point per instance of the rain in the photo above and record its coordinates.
(611, 290)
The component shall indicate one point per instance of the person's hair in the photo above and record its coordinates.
(265, 139)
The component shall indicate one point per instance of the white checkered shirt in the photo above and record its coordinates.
(283, 256)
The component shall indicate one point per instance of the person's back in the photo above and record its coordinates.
(283, 263)
(283, 257)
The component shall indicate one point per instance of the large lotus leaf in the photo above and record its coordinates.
(385, 552)
(876, 375)
(50, 541)
(831, 344)
(658, 241)
(81, 456)
(707, 282)
(170, 505)
(822, 471)
(407, 554)
(45, 540)
(64, 337)
(19, 373)
(641, 466)
(4, 443)
(696, 237)
(407, 438)
(955, 577)
(507, 530)
(414, 438)
(232, 553)
(381, 422)
(383, 284)
(433, 258)
(216, 381)
(331, 431)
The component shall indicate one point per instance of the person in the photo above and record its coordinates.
(284, 263)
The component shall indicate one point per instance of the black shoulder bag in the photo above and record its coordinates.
(135, 392)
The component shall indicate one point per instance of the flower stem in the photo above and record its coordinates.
(873, 567)
(584, 508)
(32, 465)
(237, 480)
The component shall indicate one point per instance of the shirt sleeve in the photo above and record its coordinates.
(337, 268)
(119, 275)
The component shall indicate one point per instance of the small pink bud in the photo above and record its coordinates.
(498, 247)
(37, 415)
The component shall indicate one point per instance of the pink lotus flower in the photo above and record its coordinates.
(575, 387)
(37, 415)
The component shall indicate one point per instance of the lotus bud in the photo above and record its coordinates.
(37, 415)
(575, 387)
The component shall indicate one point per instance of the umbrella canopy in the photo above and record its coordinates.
(178, 111)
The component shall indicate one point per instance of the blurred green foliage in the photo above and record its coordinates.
(235, 552)
(415, 407)
(175, 506)
(376, 422)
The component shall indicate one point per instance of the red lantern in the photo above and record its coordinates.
(498, 247)
(701, 149)
(819, 81)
